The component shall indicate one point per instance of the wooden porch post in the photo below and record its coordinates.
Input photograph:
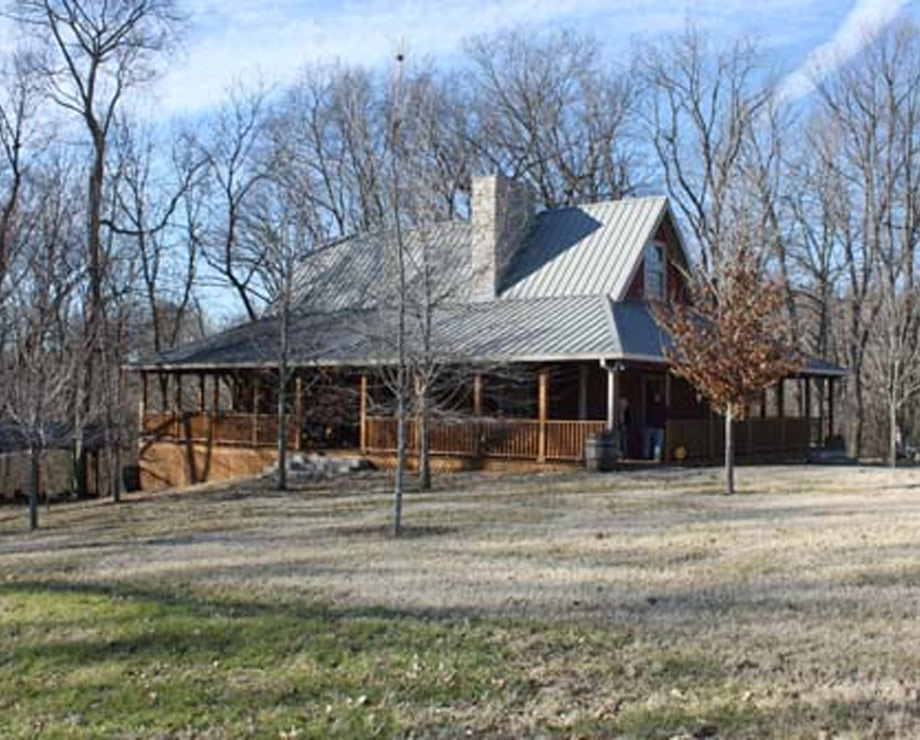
(477, 394)
(582, 392)
(215, 407)
(298, 412)
(201, 394)
(830, 407)
(542, 398)
(215, 400)
(666, 456)
(822, 419)
(142, 408)
(807, 381)
(177, 405)
(363, 430)
(781, 411)
(255, 410)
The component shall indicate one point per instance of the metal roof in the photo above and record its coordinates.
(498, 331)
(347, 274)
(586, 250)
(562, 299)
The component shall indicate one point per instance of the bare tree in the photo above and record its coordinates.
(45, 348)
(93, 53)
(160, 212)
(705, 105)
(552, 112)
(235, 149)
(871, 110)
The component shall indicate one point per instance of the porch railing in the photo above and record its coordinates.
(524, 439)
(498, 438)
(257, 430)
(704, 439)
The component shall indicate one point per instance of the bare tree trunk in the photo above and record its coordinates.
(892, 433)
(729, 451)
(282, 395)
(402, 423)
(424, 447)
(34, 483)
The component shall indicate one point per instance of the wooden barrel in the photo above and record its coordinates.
(600, 452)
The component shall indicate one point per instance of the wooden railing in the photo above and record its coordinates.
(257, 430)
(565, 440)
(500, 438)
(704, 439)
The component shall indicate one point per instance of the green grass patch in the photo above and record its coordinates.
(85, 660)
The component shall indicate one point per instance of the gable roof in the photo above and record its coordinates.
(586, 250)
(562, 298)
(583, 250)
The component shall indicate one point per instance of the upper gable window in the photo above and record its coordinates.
(655, 275)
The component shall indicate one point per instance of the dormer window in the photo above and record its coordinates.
(655, 275)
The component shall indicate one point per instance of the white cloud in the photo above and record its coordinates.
(246, 39)
(866, 19)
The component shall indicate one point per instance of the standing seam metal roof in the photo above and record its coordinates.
(587, 250)
(562, 298)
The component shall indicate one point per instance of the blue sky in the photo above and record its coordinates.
(246, 40)
(232, 41)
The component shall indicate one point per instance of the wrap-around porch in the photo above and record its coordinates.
(541, 413)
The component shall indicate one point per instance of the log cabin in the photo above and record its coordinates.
(530, 331)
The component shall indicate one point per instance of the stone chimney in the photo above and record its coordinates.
(502, 212)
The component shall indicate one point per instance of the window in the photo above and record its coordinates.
(655, 276)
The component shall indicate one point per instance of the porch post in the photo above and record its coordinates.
(582, 392)
(611, 400)
(612, 392)
(201, 394)
(477, 394)
(215, 400)
(542, 397)
(667, 414)
(781, 411)
(298, 412)
(830, 407)
(142, 407)
(177, 405)
(363, 422)
(215, 406)
(255, 410)
(822, 419)
(807, 381)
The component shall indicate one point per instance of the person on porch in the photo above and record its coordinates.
(623, 419)
(654, 427)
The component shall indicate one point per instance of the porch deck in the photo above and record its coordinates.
(696, 440)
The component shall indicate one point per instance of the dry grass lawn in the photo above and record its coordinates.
(639, 604)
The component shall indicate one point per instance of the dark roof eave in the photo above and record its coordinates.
(475, 360)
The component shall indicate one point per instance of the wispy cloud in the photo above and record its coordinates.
(247, 39)
(866, 19)
(271, 40)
